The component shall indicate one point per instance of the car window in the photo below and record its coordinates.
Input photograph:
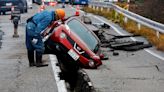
(83, 33)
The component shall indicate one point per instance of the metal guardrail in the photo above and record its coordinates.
(141, 20)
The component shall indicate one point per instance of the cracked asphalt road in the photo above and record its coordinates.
(137, 71)
(129, 72)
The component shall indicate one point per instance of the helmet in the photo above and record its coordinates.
(60, 13)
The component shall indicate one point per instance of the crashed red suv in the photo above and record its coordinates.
(74, 45)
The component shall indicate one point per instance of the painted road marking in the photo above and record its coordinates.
(56, 70)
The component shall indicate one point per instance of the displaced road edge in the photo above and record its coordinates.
(56, 70)
(115, 29)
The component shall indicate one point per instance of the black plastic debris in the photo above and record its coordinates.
(116, 42)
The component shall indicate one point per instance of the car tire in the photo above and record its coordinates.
(26, 10)
(82, 84)
(22, 11)
(4, 13)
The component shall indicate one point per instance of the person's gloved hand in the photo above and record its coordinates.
(34, 41)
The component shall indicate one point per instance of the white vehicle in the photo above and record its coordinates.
(60, 1)
(67, 1)
(29, 3)
(111, 1)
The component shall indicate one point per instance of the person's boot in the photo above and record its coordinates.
(39, 60)
(31, 58)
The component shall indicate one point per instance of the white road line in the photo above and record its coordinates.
(147, 50)
(154, 54)
(56, 70)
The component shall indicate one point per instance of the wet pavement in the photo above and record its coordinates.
(15, 73)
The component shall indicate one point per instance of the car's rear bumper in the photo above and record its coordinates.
(5, 9)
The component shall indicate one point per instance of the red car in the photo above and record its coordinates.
(74, 45)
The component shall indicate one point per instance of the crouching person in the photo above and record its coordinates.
(35, 25)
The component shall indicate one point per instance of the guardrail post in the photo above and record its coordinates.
(101, 8)
(93, 7)
(108, 9)
(125, 19)
(90, 6)
(139, 26)
(97, 8)
(116, 14)
(157, 34)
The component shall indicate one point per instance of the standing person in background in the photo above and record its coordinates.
(35, 25)
(63, 3)
(15, 18)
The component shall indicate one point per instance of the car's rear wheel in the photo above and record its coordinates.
(83, 83)
(22, 11)
(26, 10)
(3, 13)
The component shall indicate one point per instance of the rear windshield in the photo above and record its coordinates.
(83, 33)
